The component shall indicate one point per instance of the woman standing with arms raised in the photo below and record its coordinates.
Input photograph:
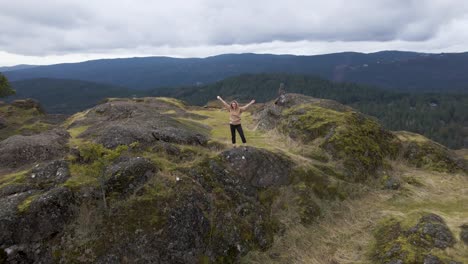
(235, 112)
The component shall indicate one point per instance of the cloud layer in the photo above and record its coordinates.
(54, 29)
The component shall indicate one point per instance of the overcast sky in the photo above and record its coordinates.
(51, 31)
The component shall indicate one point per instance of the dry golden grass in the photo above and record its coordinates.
(344, 234)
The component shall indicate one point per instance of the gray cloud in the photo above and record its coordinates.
(66, 27)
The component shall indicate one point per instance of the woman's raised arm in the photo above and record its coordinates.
(224, 102)
(243, 108)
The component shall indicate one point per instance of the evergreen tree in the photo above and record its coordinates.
(5, 88)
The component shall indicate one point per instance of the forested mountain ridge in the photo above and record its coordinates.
(16, 67)
(408, 71)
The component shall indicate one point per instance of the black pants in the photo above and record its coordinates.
(233, 133)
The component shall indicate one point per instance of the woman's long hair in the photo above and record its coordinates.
(234, 102)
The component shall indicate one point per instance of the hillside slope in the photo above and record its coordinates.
(152, 180)
(390, 69)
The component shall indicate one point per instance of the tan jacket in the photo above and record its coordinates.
(235, 114)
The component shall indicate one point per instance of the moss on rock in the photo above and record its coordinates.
(422, 152)
(357, 141)
(396, 244)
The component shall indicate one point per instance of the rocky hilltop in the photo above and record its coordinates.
(153, 180)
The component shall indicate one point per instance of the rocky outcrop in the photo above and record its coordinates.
(170, 196)
(128, 175)
(50, 174)
(19, 150)
(42, 177)
(124, 122)
(422, 152)
(46, 215)
(9, 217)
(359, 141)
(257, 167)
(28, 104)
(31, 219)
(397, 245)
(431, 231)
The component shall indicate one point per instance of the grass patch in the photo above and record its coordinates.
(95, 159)
(74, 118)
(24, 206)
(74, 132)
(35, 127)
(17, 177)
(172, 101)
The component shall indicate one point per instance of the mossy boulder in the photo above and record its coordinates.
(49, 174)
(237, 181)
(28, 221)
(127, 175)
(431, 231)
(422, 152)
(356, 140)
(257, 167)
(9, 217)
(395, 244)
(46, 215)
(18, 120)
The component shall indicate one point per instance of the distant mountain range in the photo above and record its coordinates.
(406, 71)
(16, 67)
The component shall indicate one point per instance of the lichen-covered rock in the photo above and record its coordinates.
(45, 216)
(257, 167)
(29, 220)
(41, 177)
(173, 229)
(9, 217)
(14, 188)
(128, 175)
(188, 227)
(422, 152)
(19, 150)
(124, 122)
(431, 231)
(394, 244)
(430, 259)
(49, 174)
